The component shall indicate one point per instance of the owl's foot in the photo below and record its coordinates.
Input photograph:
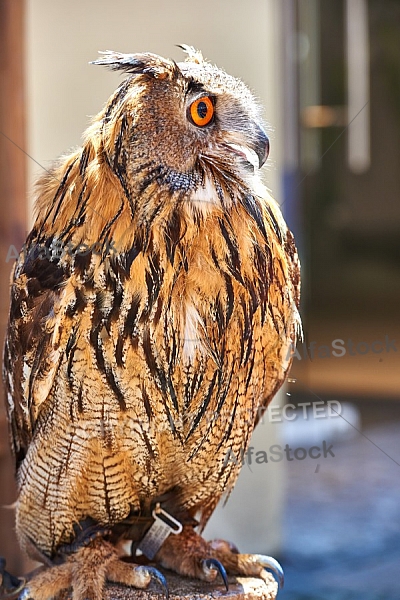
(188, 554)
(10, 586)
(246, 565)
(86, 572)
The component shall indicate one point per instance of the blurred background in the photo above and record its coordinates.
(328, 75)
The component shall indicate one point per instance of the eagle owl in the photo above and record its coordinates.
(153, 307)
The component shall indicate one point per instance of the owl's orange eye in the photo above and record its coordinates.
(202, 111)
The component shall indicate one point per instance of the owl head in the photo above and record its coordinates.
(187, 128)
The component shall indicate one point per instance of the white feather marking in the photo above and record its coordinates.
(192, 339)
(205, 198)
(26, 372)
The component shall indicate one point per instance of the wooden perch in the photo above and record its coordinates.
(182, 588)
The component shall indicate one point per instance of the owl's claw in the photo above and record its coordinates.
(269, 563)
(157, 575)
(10, 586)
(25, 595)
(16, 593)
(212, 564)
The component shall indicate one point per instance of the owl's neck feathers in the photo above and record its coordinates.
(87, 199)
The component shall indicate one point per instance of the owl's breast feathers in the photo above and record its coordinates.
(180, 327)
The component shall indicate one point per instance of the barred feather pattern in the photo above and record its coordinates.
(152, 313)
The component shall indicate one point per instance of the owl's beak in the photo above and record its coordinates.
(261, 144)
(255, 149)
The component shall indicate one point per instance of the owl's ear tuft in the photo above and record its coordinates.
(193, 55)
(137, 64)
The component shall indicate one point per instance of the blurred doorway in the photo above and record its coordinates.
(348, 71)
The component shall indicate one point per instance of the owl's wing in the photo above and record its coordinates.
(32, 351)
(283, 302)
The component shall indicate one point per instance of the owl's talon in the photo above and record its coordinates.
(212, 564)
(157, 575)
(10, 586)
(12, 594)
(25, 595)
(269, 563)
